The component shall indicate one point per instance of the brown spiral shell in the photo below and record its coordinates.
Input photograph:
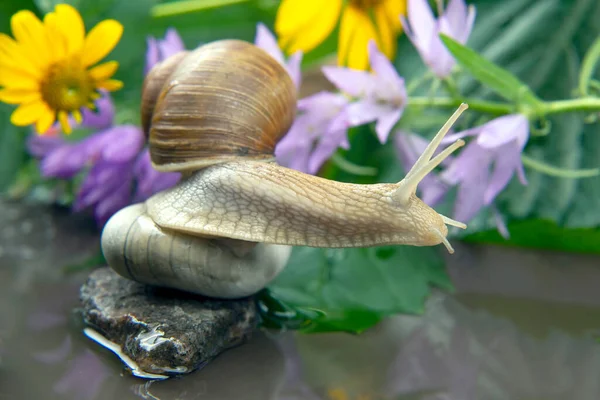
(153, 83)
(224, 100)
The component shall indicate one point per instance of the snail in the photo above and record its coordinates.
(226, 229)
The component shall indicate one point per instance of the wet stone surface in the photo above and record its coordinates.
(163, 331)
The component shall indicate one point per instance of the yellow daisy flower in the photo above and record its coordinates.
(45, 67)
(304, 24)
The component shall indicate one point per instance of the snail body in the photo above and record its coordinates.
(225, 230)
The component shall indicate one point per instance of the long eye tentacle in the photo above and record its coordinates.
(425, 163)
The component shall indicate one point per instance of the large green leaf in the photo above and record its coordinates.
(351, 289)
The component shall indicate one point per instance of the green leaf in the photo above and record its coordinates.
(497, 78)
(352, 289)
(543, 234)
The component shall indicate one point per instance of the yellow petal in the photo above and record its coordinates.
(104, 71)
(29, 32)
(57, 42)
(394, 9)
(28, 113)
(77, 116)
(304, 24)
(111, 85)
(387, 32)
(18, 96)
(63, 118)
(11, 54)
(101, 40)
(356, 30)
(13, 78)
(45, 121)
(71, 25)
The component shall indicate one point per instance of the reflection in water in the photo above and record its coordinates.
(521, 332)
(472, 355)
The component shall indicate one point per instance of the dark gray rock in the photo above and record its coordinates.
(162, 331)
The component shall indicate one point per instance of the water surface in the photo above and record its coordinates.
(522, 325)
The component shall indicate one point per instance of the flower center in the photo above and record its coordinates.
(365, 4)
(67, 86)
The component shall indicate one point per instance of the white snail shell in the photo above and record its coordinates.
(136, 248)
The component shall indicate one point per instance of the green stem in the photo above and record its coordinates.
(188, 6)
(561, 106)
(586, 104)
(489, 107)
(558, 172)
(588, 66)
(352, 168)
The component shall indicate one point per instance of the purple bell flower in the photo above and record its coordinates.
(381, 96)
(315, 134)
(487, 164)
(423, 30)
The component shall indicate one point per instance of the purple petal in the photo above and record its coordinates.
(471, 159)
(507, 159)
(294, 149)
(150, 181)
(502, 130)
(323, 102)
(108, 206)
(355, 83)
(469, 199)
(437, 56)
(152, 56)
(324, 149)
(125, 142)
(103, 117)
(382, 66)
(451, 138)
(64, 162)
(266, 41)
(386, 122)
(411, 35)
(103, 180)
(432, 190)
(409, 147)
(171, 44)
(422, 22)
(456, 15)
(40, 146)
(365, 111)
(293, 68)
(466, 32)
(500, 224)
